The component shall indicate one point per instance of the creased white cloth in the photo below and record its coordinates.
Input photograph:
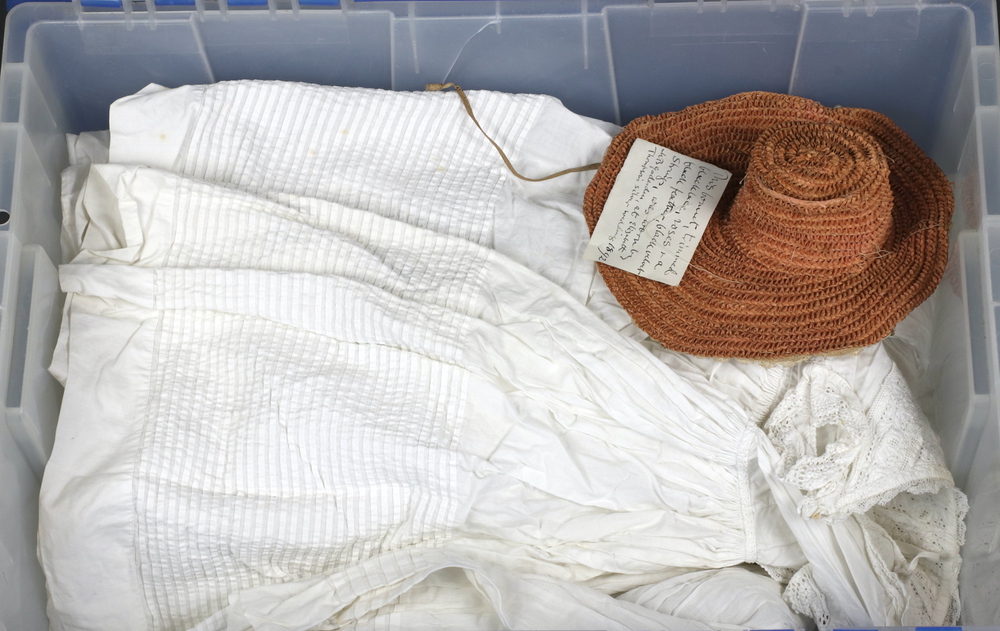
(363, 379)
(738, 595)
(543, 459)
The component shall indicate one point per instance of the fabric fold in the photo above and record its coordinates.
(328, 365)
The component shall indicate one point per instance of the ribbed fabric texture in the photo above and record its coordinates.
(195, 543)
(409, 156)
(321, 400)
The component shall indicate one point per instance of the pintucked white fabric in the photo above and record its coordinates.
(356, 389)
(644, 496)
(343, 437)
(415, 157)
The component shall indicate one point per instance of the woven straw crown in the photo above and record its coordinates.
(834, 227)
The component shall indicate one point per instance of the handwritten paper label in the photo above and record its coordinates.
(656, 213)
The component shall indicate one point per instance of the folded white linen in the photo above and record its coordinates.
(563, 422)
(84, 149)
(342, 436)
(738, 595)
(490, 413)
(416, 157)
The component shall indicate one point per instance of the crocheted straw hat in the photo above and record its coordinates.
(839, 229)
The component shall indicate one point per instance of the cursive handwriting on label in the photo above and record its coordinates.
(656, 212)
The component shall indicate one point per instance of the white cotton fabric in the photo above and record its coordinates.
(739, 595)
(543, 468)
(362, 379)
(84, 149)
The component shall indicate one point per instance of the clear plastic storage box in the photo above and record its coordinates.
(931, 66)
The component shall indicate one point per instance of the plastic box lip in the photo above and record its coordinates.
(500, 7)
(111, 9)
(62, 13)
(184, 10)
(986, 30)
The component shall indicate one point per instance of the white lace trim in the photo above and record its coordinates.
(780, 574)
(927, 533)
(912, 545)
(747, 445)
(884, 469)
(846, 459)
(805, 597)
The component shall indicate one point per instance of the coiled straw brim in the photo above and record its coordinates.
(770, 278)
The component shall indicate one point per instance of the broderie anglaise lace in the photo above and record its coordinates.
(884, 469)
(847, 460)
